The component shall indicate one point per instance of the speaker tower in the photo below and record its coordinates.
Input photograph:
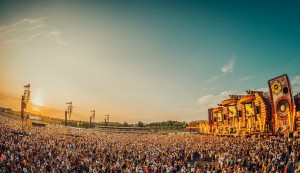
(282, 101)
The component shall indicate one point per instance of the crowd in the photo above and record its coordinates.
(62, 149)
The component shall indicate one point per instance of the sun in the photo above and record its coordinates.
(37, 101)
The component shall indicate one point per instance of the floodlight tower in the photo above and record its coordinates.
(106, 119)
(68, 111)
(92, 117)
(25, 99)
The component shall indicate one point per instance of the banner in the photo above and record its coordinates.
(232, 111)
(249, 109)
(35, 117)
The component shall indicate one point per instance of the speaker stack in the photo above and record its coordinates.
(282, 100)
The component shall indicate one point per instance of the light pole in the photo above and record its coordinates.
(68, 111)
(25, 99)
(92, 117)
(106, 120)
(93, 114)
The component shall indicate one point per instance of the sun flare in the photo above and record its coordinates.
(37, 101)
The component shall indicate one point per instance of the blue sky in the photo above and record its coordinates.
(144, 60)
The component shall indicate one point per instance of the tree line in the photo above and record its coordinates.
(164, 125)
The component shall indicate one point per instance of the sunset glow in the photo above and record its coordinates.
(37, 101)
(146, 60)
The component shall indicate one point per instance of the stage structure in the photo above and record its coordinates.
(204, 127)
(274, 112)
(297, 111)
(255, 113)
(282, 101)
(217, 120)
(230, 112)
(200, 126)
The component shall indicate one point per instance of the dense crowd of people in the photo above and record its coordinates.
(56, 148)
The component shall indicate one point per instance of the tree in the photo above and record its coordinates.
(125, 124)
(140, 124)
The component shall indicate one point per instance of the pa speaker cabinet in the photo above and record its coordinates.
(282, 101)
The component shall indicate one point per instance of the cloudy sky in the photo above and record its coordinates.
(143, 60)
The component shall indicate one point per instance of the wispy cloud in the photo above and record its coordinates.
(56, 35)
(212, 79)
(262, 89)
(227, 68)
(247, 78)
(295, 80)
(204, 100)
(25, 23)
(225, 93)
(212, 100)
(27, 30)
(32, 37)
(24, 40)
